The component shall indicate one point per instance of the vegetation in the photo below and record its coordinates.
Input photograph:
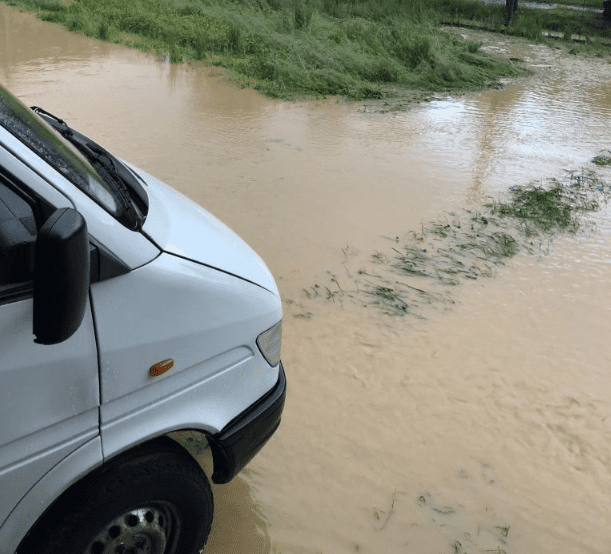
(354, 48)
(421, 267)
(532, 23)
(604, 158)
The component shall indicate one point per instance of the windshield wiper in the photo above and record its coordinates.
(112, 170)
(107, 169)
(58, 124)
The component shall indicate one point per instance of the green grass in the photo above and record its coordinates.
(422, 267)
(602, 159)
(586, 24)
(527, 22)
(546, 208)
(354, 48)
(287, 48)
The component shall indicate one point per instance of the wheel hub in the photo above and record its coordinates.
(145, 530)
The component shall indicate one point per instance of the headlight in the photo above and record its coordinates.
(269, 344)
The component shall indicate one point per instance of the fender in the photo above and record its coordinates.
(72, 468)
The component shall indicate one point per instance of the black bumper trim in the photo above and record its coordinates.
(234, 446)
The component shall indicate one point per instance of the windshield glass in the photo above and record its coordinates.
(51, 147)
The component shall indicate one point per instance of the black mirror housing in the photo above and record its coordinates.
(61, 276)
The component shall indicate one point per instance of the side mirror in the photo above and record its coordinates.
(61, 276)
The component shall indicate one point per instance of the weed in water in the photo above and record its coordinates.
(465, 246)
(547, 207)
(602, 159)
(388, 299)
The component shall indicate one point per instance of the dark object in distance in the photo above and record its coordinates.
(510, 6)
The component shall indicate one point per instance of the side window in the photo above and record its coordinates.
(18, 229)
(22, 214)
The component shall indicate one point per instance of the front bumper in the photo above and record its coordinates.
(234, 446)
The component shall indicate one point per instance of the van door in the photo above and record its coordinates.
(49, 395)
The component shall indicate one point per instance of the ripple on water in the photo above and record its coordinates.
(496, 412)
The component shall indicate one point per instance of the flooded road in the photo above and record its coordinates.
(485, 427)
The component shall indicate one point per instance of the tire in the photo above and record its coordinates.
(154, 499)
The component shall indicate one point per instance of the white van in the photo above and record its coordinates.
(128, 314)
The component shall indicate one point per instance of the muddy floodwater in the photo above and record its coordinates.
(483, 427)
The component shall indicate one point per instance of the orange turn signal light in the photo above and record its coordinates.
(161, 367)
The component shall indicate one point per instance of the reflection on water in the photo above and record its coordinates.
(484, 428)
(240, 525)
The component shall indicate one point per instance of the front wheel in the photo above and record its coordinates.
(153, 500)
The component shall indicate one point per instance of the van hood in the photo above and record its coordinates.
(179, 226)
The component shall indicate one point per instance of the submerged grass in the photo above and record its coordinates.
(287, 48)
(422, 267)
(547, 208)
(602, 159)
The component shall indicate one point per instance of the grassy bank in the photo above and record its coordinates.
(531, 23)
(354, 48)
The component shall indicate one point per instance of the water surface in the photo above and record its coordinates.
(486, 426)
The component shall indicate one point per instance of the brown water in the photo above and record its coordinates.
(485, 427)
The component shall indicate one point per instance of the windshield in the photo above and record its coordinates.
(51, 147)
